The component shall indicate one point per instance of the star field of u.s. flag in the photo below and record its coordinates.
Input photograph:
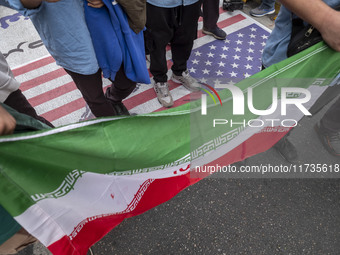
(237, 57)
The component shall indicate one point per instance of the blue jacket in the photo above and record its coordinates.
(115, 43)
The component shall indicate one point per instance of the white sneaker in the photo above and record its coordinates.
(187, 81)
(163, 94)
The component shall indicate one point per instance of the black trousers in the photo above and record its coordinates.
(19, 102)
(331, 119)
(91, 88)
(177, 26)
(210, 13)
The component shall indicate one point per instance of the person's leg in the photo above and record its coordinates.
(266, 7)
(182, 43)
(210, 13)
(120, 89)
(267, 4)
(184, 36)
(210, 17)
(19, 102)
(160, 27)
(91, 88)
(11, 94)
(331, 119)
(328, 129)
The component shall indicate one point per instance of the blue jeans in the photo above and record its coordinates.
(267, 4)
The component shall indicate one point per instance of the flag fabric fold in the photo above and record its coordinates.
(69, 186)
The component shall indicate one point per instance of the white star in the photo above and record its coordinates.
(195, 61)
(247, 66)
(233, 74)
(261, 51)
(212, 47)
(246, 75)
(236, 57)
(237, 49)
(221, 64)
(240, 35)
(210, 55)
(264, 37)
(263, 44)
(252, 36)
(249, 58)
(253, 29)
(217, 82)
(219, 72)
(250, 50)
(208, 63)
(239, 42)
(251, 43)
(206, 71)
(234, 65)
(197, 53)
(203, 80)
(223, 55)
(227, 41)
(231, 83)
(225, 48)
(192, 70)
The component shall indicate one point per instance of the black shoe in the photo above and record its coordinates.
(330, 140)
(120, 108)
(117, 105)
(216, 32)
(287, 150)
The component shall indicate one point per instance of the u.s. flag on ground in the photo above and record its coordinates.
(53, 94)
(70, 185)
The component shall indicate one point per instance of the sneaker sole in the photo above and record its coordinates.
(188, 88)
(325, 145)
(166, 106)
(209, 33)
(261, 15)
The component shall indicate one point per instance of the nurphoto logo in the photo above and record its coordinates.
(238, 105)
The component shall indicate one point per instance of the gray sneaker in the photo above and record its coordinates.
(259, 12)
(163, 94)
(187, 81)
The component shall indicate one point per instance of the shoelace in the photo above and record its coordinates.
(189, 77)
(163, 89)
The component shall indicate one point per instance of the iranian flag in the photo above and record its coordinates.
(71, 185)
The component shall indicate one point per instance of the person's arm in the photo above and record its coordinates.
(321, 16)
(7, 122)
(95, 3)
(32, 4)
